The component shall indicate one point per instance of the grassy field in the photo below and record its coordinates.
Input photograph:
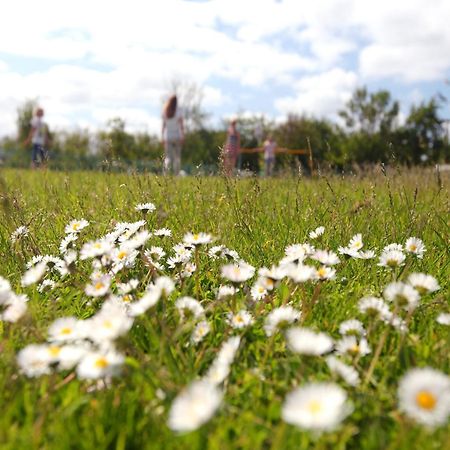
(258, 218)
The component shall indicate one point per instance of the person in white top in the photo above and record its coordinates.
(39, 138)
(172, 136)
(269, 155)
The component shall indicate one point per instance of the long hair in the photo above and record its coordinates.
(170, 107)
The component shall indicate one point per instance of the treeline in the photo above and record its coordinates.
(371, 133)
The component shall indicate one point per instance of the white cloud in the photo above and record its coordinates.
(320, 95)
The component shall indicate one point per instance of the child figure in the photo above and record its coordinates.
(231, 148)
(269, 154)
(39, 138)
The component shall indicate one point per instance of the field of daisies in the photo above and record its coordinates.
(139, 311)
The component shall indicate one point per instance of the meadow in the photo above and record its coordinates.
(229, 319)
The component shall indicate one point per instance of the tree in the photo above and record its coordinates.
(425, 132)
(370, 113)
(116, 142)
(24, 116)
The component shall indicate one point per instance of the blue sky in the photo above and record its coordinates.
(87, 62)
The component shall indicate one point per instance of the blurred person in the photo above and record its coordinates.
(172, 136)
(269, 155)
(231, 148)
(39, 137)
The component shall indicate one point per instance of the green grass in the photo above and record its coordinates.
(258, 218)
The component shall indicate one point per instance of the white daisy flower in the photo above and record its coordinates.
(194, 406)
(34, 260)
(392, 259)
(402, 295)
(46, 285)
(216, 251)
(424, 395)
(155, 252)
(137, 240)
(325, 257)
(34, 360)
(346, 372)
(350, 345)
(226, 291)
(300, 273)
(280, 318)
(165, 285)
(66, 329)
(422, 283)
(367, 254)
(200, 331)
(12, 307)
(325, 273)
(258, 291)
(145, 207)
(162, 232)
(126, 288)
(394, 246)
(75, 226)
(307, 342)
(275, 273)
(237, 273)
(443, 319)
(102, 364)
(220, 368)
(34, 274)
(182, 252)
(109, 323)
(316, 233)
(67, 242)
(69, 356)
(96, 249)
(352, 327)
(415, 246)
(241, 319)
(187, 270)
(374, 307)
(197, 238)
(150, 298)
(316, 407)
(99, 287)
(188, 306)
(356, 242)
(19, 233)
(299, 251)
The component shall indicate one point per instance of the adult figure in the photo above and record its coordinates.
(39, 138)
(172, 136)
(269, 155)
(231, 148)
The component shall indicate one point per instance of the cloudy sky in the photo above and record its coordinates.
(87, 61)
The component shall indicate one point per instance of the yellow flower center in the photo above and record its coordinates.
(196, 237)
(314, 407)
(75, 226)
(97, 245)
(66, 330)
(54, 350)
(426, 400)
(101, 363)
(238, 319)
(126, 298)
(107, 323)
(392, 262)
(354, 349)
(122, 254)
(322, 272)
(99, 285)
(412, 247)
